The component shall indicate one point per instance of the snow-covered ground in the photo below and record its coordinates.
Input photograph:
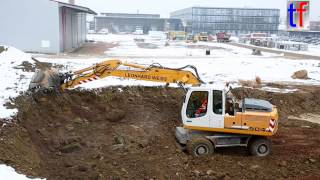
(314, 50)
(13, 79)
(225, 64)
(7, 172)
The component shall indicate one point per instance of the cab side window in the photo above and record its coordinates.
(217, 102)
(197, 105)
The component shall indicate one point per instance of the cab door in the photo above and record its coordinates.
(195, 111)
(218, 109)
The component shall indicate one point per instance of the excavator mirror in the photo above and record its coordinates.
(228, 87)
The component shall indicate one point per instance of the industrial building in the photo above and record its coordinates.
(310, 37)
(314, 25)
(123, 22)
(232, 20)
(43, 26)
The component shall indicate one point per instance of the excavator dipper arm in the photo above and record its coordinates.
(116, 68)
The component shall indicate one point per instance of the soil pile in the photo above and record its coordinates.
(94, 48)
(302, 74)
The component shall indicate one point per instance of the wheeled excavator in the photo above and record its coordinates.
(211, 116)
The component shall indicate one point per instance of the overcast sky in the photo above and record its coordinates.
(164, 7)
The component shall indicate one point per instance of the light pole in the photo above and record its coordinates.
(184, 24)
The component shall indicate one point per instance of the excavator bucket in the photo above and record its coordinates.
(45, 79)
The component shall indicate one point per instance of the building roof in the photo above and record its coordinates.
(130, 15)
(240, 8)
(305, 32)
(76, 7)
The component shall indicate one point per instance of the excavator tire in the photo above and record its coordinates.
(200, 146)
(260, 147)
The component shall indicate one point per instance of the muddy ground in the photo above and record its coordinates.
(129, 134)
(94, 48)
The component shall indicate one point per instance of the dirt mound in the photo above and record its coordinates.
(129, 134)
(256, 83)
(303, 74)
(288, 104)
(3, 48)
(256, 52)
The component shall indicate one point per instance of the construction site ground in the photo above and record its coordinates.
(128, 133)
(124, 129)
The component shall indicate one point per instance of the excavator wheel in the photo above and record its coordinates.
(260, 147)
(200, 146)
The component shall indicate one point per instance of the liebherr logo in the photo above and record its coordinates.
(145, 77)
(298, 15)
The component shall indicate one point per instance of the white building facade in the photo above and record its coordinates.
(42, 26)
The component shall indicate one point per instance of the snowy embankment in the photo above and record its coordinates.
(13, 81)
(13, 78)
(7, 172)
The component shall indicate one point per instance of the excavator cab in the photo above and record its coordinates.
(203, 107)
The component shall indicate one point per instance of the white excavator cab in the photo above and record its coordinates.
(204, 107)
(212, 118)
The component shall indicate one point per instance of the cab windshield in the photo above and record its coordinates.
(197, 105)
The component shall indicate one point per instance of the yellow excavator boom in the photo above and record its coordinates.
(116, 68)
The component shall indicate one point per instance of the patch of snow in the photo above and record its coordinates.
(314, 50)
(13, 80)
(314, 118)
(7, 172)
(278, 90)
(234, 38)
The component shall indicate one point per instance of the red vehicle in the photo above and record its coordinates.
(223, 37)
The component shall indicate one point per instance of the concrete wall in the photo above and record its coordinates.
(72, 29)
(30, 25)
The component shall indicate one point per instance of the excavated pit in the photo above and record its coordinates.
(128, 133)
